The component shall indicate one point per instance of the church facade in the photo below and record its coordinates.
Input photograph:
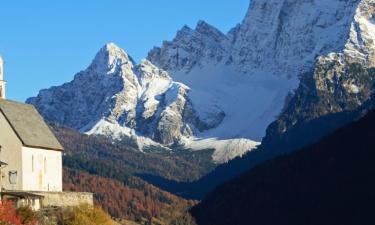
(30, 166)
(31, 158)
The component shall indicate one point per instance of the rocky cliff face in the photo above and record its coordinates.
(341, 80)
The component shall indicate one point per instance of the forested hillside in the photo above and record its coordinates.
(330, 182)
(94, 164)
(142, 202)
(98, 154)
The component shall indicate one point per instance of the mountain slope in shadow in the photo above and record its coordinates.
(299, 136)
(331, 182)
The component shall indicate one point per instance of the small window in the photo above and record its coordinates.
(13, 177)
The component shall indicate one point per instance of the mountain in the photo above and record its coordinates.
(260, 68)
(288, 67)
(258, 74)
(202, 58)
(335, 86)
(330, 182)
(116, 98)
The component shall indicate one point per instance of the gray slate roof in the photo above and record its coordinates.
(29, 126)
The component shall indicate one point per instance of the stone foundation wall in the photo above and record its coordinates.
(65, 199)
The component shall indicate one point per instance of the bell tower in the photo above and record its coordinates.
(2, 82)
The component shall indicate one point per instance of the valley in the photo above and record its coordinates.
(269, 123)
(327, 182)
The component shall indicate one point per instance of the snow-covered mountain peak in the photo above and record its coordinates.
(112, 51)
(190, 48)
(210, 31)
(202, 30)
(110, 58)
(184, 31)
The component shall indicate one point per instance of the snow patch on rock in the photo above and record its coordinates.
(225, 149)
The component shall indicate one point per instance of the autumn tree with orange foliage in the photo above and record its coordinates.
(8, 214)
(123, 202)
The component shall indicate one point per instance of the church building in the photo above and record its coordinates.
(31, 158)
(30, 154)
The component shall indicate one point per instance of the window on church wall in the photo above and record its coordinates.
(45, 165)
(32, 163)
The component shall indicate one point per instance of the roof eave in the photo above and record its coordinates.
(46, 148)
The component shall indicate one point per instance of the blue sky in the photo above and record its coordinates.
(44, 42)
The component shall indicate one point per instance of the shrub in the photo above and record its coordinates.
(186, 219)
(27, 215)
(8, 214)
(86, 215)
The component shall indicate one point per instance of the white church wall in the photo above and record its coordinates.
(11, 154)
(42, 169)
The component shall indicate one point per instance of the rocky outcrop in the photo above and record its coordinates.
(340, 81)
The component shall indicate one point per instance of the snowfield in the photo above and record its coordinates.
(250, 103)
